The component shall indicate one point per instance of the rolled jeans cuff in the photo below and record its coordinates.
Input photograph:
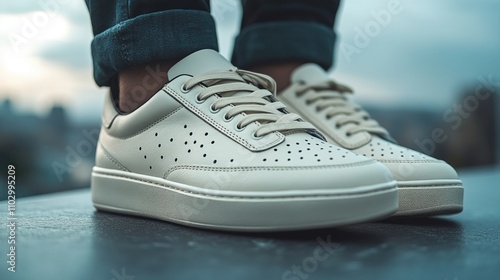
(159, 36)
(274, 42)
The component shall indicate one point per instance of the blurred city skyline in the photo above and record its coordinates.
(417, 54)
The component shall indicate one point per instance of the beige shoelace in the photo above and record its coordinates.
(251, 95)
(331, 98)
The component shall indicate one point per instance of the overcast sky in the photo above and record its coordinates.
(422, 55)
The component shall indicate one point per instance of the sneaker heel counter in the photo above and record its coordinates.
(104, 159)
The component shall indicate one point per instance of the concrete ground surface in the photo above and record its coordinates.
(61, 236)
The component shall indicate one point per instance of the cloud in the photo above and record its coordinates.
(53, 64)
(427, 53)
(19, 7)
(73, 54)
(74, 10)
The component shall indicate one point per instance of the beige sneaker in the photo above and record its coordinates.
(214, 149)
(427, 186)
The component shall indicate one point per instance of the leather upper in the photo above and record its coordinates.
(180, 138)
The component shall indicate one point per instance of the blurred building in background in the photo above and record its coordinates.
(465, 134)
(50, 153)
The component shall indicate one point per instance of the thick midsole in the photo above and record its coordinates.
(430, 197)
(137, 194)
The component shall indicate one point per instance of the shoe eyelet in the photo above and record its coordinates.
(198, 100)
(348, 134)
(184, 89)
(226, 119)
(238, 128)
(213, 111)
(257, 137)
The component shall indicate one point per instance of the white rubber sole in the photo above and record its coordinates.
(430, 198)
(146, 196)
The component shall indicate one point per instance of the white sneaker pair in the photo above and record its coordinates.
(215, 149)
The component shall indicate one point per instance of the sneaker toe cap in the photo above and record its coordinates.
(419, 170)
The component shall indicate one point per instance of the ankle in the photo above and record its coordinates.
(280, 72)
(138, 84)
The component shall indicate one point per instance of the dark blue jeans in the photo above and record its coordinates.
(134, 32)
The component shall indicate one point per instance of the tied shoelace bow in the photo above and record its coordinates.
(251, 95)
(331, 98)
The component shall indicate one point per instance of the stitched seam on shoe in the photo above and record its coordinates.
(253, 197)
(112, 159)
(408, 161)
(434, 185)
(202, 115)
(263, 168)
(151, 125)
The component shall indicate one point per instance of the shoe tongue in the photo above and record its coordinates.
(310, 74)
(198, 63)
